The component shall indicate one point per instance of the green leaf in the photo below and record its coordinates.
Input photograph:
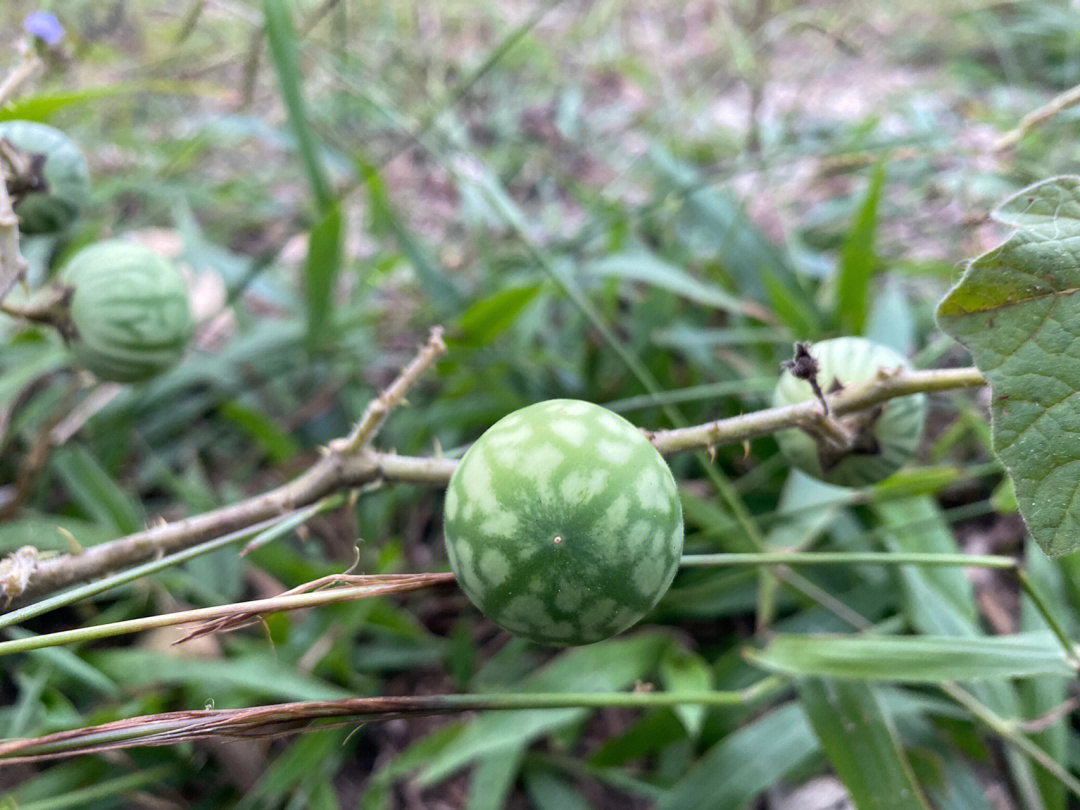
(941, 601)
(745, 763)
(1017, 308)
(861, 743)
(607, 666)
(282, 39)
(684, 671)
(321, 271)
(279, 444)
(255, 674)
(857, 260)
(1042, 696)
(756, 266)
(549, 790)
(42, 106)
(429, 271)
(492, 315)
(914, 659)
(493, 778)
(647, 268)
(95, 491)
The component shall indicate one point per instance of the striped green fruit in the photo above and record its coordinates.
(129, 309)
(67, 180)
(563, 523)
(886, 439)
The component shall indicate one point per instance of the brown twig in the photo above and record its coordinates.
(379, 408)
(12, 263)
(336, 471)
(1041, 115)
(223, 617)
(343, 586)
(171, 728)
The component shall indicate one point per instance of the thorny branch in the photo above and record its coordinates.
(12, 263)
(24, 575)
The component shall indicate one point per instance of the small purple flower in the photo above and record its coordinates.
(44, 26)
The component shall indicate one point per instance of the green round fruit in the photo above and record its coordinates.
(563, 523)
(129, 310)
(886, 437)
(67, 180)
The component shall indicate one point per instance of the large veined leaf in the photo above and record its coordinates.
(1017, 308)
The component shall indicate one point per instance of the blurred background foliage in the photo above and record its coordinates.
(562, 185)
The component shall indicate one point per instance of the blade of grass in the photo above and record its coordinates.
(861, 743)
(857, 260)
(321, 269)
(914, 659)
(281, 36)
(324, 246)
(116, 787)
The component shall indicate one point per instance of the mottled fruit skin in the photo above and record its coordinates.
(563, 523)
(130, 311)
(888, 441)
(66, 176)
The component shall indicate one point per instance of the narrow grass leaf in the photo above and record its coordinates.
(493, 778)
(257, 675)
(310, 759)
(914, 659)
(858, 260)
(610, 665)
(446, 297)
(685, 671)
(114, 788)
(758, 268)
(647, 268)
(549, 790)
(278, 443)
(941, 601)
(68, 663)
(321, 271)
(746, 762)
(281, 36)
(493, 314)
(1042, 696)
(861, 744)
(95, 490)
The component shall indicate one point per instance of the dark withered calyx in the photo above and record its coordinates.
(804, 366)
(860, 426)
(24, 172)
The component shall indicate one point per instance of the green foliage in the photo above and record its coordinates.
(1016, 309)
(592, 214)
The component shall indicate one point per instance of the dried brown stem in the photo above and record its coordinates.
(337, 588)
(379, 408)
(12, 263)
(287, 718)
(1054, 107)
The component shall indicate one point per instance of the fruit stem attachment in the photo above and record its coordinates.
(52, 307)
